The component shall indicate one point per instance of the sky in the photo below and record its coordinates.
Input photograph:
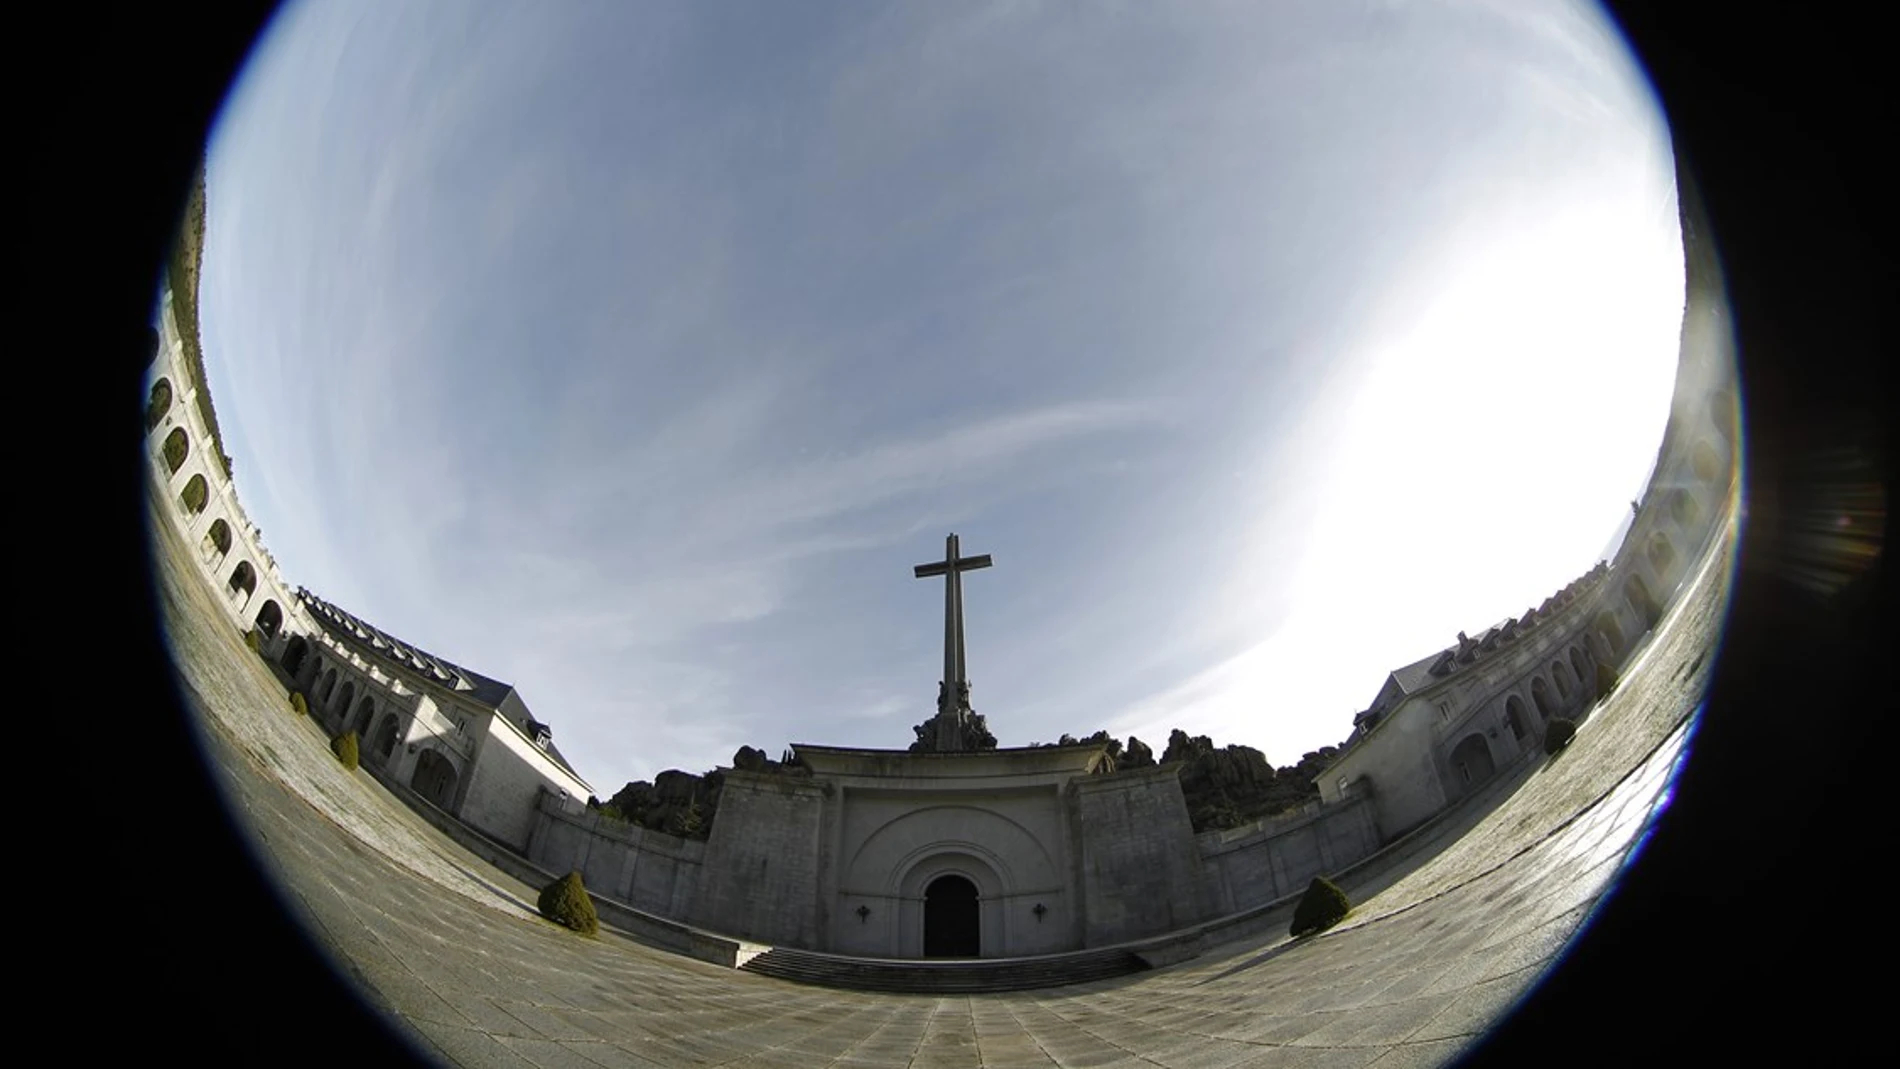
(634, 353)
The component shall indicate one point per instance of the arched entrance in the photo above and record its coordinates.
(1540, 696)
(269, 619)
(177, 448)
(243, 582)
(1661, 554)
(1708, 466)
(1471, 762)
(434, 778)
(385, 742)
(158, 404)
(1610, 634)
(953, 925)
(1640, 600)
(194, 496)
(365, 713)
(217, 542)
(296, 651)
(343, 702)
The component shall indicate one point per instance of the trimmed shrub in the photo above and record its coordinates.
(1323, 906)
(1606, 680)
(565, 902)
(297, 703)
(345, 748)
(1558, 734)
(251, 640)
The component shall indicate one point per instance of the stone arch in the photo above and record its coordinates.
(1557, 676)
(1471, 761)
(1682, 507)
(1514, 718)
(953, 918)
(1661, 553)
(365, 713)
(345, 698)
(968, 862)
(296, 652)
(434, 778)
(1540, 697)
(327, 688)
(243, 582)
(1579, 664)
(177, 448)
(385, 741)
(1722, 413)
(1707, 465)
(1611, 634)
(195, 495)
(1636, 593)
(159, 403)
(269, 619)
(217, 542)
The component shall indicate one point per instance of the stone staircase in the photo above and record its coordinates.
(947, 976)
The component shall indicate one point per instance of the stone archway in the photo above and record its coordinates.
(1610, 634)
(195, 495)
(1682, 507)
(158, 404)
(1707, 465)
(269, 619)
(296, 651)
(1637, 594)
(1471, 761)
(953, 921)
(1661, 554)
(1580, 667)
(385, 741)
(177, 448)
(365, 713)
(327, 688)
(434, 778)
(1557, 677)
(217, 542)
(1540, 697)
(243, 582)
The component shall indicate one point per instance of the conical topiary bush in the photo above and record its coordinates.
(1558, 734)
(565, 902)
(346, 750)
(297, 703)
(1323, 906)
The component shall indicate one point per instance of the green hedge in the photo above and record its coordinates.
(565, 902)
(345, 748)
(1558, 734)
(297, 703)
(1323, 906)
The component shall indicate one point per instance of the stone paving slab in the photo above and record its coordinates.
(451, 951)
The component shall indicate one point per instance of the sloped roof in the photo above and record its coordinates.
(470, 684)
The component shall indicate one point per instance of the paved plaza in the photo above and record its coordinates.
(453, 953)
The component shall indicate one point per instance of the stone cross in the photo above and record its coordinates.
(956, 683)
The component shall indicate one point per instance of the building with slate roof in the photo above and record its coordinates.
(435, 732)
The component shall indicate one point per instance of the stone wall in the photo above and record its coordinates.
(1139, 870)
(502, 795)
(1271, 858)
(648, 870)
(760, 880)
